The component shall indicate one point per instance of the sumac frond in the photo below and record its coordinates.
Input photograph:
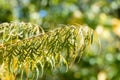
(26, 50)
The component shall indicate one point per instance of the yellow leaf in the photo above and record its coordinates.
(15, 63)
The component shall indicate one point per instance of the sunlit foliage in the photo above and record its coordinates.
(101, 15)
(26, 50)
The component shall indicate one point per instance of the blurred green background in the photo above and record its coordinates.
(100, 63)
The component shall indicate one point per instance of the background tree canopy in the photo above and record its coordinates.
(101, 15)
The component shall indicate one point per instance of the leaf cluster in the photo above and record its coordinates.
(26, 50)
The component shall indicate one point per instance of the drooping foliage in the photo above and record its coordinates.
(26, 50)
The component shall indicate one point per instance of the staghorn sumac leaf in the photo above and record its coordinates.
(27, 50)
